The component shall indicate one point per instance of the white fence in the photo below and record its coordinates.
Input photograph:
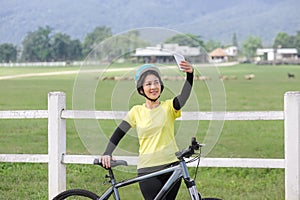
(57, 157)
(41, 64)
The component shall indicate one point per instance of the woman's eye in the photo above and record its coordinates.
(152, 83)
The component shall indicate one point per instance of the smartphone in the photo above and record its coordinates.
(178, 59)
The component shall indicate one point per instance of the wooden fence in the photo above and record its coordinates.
(57, 157)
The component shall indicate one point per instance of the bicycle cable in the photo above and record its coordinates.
(196, 172)
(198, 157)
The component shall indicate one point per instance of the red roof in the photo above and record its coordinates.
(217, 52)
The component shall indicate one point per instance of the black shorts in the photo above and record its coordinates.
(150, 187)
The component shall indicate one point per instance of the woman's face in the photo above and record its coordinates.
(151, 86)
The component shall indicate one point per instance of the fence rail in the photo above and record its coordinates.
(42, 64)
(57, 158)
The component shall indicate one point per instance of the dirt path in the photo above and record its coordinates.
(77, 71)
(56, 73)
(37, 74)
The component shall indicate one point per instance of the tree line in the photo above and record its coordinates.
(43, 45)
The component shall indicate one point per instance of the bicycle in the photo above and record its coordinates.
(179, 171)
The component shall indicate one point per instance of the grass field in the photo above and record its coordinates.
(259, 139)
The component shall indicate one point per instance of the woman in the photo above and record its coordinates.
(154, 122)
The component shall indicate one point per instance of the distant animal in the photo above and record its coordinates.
(291, 75)
(234, 77)
(222, 77)
(249, 76)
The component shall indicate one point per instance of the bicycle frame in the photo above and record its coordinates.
(179, 171)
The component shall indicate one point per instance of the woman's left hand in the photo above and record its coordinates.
(186, 67)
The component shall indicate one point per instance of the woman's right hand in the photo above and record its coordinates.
(105, 160)
(186, 66)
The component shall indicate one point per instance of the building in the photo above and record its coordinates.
(218, 55)
(223, 55)
(232, 53)
(277, 56)
(163, 53)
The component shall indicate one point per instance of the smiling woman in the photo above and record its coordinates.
(154, 122)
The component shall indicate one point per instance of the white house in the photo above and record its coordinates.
(164, 53)
(280, 54)
(231, 51)
(223, 55)
(287, 53)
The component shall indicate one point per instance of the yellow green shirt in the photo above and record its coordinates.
(155, 129)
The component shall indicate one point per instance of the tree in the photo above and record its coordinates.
(75, 50)
(281, 40)
(234, 40)
(210, 45)
(63, 48)
(42, 46)
(119, 46)
(250, 45)
(37, 46)
(294, 41)
(8, 53)
(92, 39)
(128, 42)
(60, 45)
(186, 40)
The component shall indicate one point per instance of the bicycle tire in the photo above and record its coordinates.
(76, 193)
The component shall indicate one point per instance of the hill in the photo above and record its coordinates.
(215, 19)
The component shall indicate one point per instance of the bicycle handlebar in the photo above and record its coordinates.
(113, 163)
(186, 153)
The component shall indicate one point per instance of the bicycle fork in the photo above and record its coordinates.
(190, 183)
(194, 194)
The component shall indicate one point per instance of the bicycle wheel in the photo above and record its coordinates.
(76, 194)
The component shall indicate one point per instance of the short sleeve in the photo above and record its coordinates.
(130, 117)
(176, 113)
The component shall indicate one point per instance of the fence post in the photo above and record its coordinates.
(292, 145)
(56, 143)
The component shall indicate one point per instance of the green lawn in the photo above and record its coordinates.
(259, 139)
